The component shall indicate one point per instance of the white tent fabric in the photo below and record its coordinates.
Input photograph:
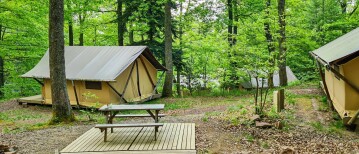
(290, 77)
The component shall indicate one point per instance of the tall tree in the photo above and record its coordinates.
(282, 61)
(167, 87)
(270, 43)
(120, 23)
(62, 111)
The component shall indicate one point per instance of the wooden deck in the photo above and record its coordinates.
(171, 138)
(37, 99)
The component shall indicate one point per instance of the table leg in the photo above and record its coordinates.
(156, 119)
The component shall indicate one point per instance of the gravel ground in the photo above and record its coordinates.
(44, 141)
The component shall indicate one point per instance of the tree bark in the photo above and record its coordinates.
(230, 22)
(120, 23)
(2, 78)
(270, 44)
(81, 37)
(167, 87)
(62, 111)
(71, 34)
(282, 44)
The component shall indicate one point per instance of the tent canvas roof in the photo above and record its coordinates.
(340, 48)
(95, 63)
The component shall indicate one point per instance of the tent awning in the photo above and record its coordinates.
(95, 63)
(341, 47)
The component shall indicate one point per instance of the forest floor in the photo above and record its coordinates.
(223, 125)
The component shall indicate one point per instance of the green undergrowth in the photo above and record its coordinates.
(38, 117)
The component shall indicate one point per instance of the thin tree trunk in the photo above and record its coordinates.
(167, 87)
(62, 111)
(180, 42)
(236, 18)
(2, 79)
(230, 22)
(270, 44)
(120, 23)
(151, 23)
(282, 44)
(178, 81)
(71, 34)
(81, 37)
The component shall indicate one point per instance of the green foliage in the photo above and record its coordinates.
(201, 47)
(91, 110)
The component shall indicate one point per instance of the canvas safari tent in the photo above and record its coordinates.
(103, 74)
(340, 78)
(253, 83)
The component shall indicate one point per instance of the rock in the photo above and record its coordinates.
(263, 124)
(255, 117)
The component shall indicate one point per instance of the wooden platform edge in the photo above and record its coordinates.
(139, 152)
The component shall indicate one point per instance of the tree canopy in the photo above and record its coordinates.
(218, 40)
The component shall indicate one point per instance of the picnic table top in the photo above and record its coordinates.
(132, 107)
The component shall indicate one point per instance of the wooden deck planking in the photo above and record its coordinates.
(180, 137)
(193, 136)
(125, 134)
(173, 137)
(85, 142)
(162, 135)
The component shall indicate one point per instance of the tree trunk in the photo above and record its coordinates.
(236, 18)
(167, 87)
(120, 23)
(343, 6)
(71, 34)
(178, 88)
(282, 44)
(230, 22)
(270, 43)
(2, 79)
(81, 37)
(151, 23)
(62, 111)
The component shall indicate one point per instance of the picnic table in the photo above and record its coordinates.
(112, 111)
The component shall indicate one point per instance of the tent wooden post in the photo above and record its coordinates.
(138, 79)
(159, 80)
(119, 94)
(77, 99)
(325, 84)
(38, 81)
(128, 80)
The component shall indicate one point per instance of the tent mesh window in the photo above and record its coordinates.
(93, 85)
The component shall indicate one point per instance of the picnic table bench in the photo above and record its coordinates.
(111, 112)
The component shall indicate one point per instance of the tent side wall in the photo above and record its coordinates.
(103, 95)
(351, 72)
(336, 89)
(131, 93)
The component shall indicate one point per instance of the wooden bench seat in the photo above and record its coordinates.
(136, 115)
(103, 127)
